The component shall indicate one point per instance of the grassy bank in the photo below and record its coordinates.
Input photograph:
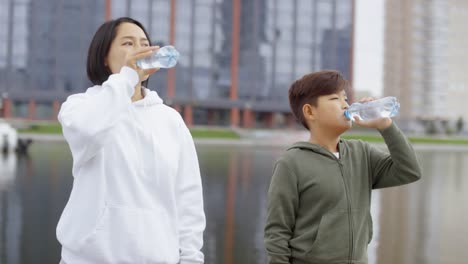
(416, 140)
(196, 132)
(214, 133)
(221, 133)
(43, 129)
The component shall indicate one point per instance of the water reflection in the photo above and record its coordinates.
(43, 184)
(235, 183)
(418, 223)
(425, 222)
(10, 211)
(7, 170)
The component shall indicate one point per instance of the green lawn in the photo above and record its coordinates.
(196, 132)
(54, 128)
(214, 133)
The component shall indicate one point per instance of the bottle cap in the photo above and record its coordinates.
(347, 115)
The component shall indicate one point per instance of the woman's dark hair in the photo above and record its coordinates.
(99, 48)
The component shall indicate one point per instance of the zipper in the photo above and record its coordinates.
(348, 199)
(351, 224)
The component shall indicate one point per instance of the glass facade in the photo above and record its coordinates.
(43, 46)
(13, 43)
(425, 62)
(58, 43)
(279, 42)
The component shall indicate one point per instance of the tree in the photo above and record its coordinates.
(460, 124)
(431, 128)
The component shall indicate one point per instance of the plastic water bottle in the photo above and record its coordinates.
(384, 107)
(165, 57)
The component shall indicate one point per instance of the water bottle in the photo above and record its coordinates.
(165, 57)
(384, 107)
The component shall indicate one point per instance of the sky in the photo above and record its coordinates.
(368, 46)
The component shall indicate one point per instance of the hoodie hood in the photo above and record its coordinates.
(151, 98)
(304, 145)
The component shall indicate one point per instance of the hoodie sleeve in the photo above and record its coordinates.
(190, 202)
(283, 202)
(397, 168)
(87, 118)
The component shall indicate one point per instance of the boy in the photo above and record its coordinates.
(319, 197)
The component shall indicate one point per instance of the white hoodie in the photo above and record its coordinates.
(137, 193)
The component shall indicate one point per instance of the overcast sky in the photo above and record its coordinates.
(368, 46)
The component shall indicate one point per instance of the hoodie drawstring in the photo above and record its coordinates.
(150, 99)
(137, 139)
(153, 145)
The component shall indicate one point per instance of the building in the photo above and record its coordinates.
(457, 61)
(424, 61)
(43, 47)
(13, 43)
(58, 40)
(278, 41)
(238, 56)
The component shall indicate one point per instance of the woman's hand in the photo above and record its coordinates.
(379, 123)
(141, 53)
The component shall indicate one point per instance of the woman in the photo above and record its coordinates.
(137, 193)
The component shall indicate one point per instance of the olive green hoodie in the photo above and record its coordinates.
(319, 205)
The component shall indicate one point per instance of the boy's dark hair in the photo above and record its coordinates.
(99, 48)
(307, 89)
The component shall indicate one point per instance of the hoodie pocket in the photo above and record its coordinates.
(114, 239)
(130, 235)
(332, 240)
(159, 238)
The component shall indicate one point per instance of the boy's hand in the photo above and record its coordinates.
(379, 123)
